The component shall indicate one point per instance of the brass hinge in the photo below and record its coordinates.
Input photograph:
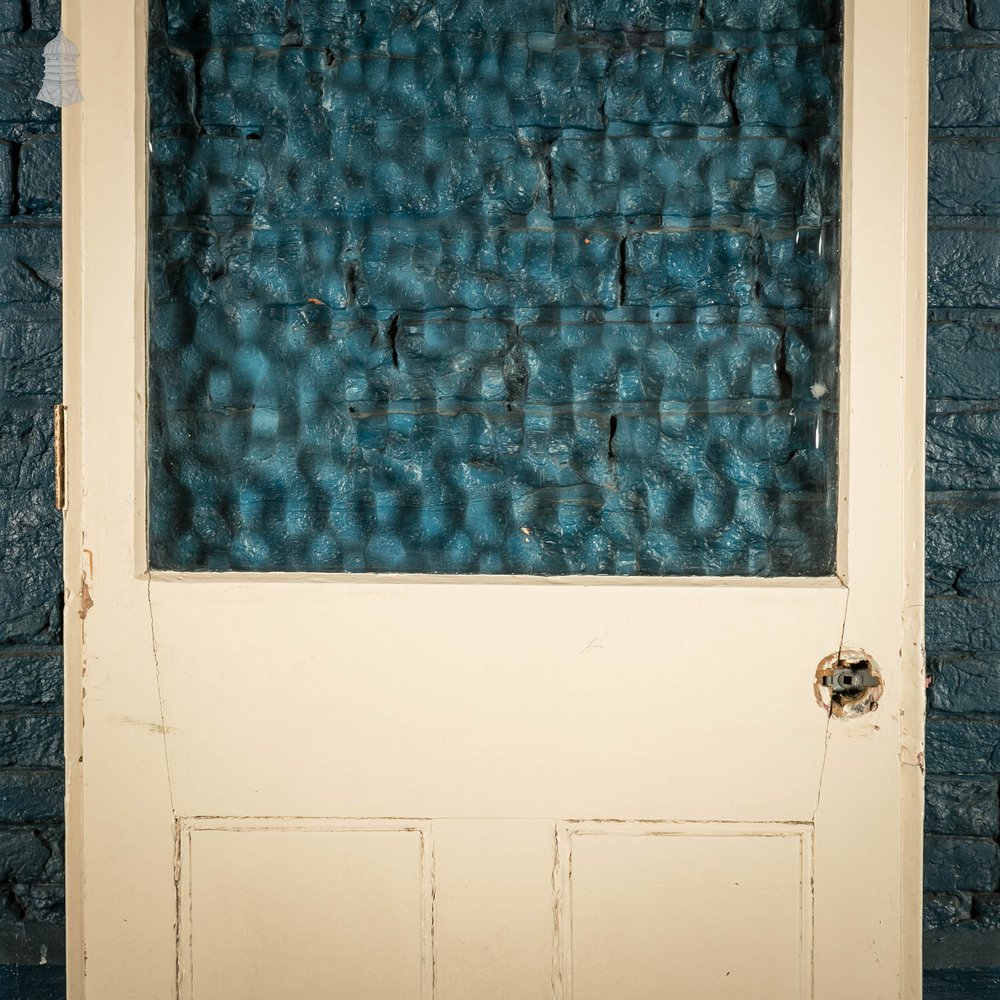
(59, 442)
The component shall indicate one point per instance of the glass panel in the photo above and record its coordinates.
(494, 286)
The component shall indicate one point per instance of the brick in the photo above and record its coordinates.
(966, 686)
(24, 857)
(31, 796)
(963, 449)
(985, 14)
(295, 88)
(491, 15)
(21, 69)
(45, 15)
(54, 839)
(946, 909)
(31, 350)
(969, 863)
(964, 177)
(31, 943)
(402, 268)
(684, 180)
(31, 676)
(10, 16)
(650, 15)
(45, 903)
(31, 738)
(668, 86)
(962, 94)
(963, 745)
(32, 982)
(971, 944)
(344, 20)
(40, 176)
(949, 15)
(986, 910)
(254, 88)
(722, 268)
(25, 446)
(30, 566)
(963, 547)
(770, 15)
(787, 87)
(962, 625)
(964, 270)
(963, 361)
(240, 17)
(30, 264)
(962, 807)
(171, 88)
(272, 177)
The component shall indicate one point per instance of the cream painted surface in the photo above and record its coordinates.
(710, 910)
(347, 907)
(518, 787)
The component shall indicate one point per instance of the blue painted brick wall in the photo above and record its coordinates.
(31, 779)
(962, 872)
(962, 902)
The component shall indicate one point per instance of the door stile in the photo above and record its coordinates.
(913, 707)
(883, 329)
(73, 544)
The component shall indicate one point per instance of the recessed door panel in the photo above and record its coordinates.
(278, 908)
(695, 913)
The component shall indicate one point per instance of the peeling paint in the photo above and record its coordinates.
(851, 703)
(86, 601)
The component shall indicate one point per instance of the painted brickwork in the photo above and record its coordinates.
(963, 870)
(962, 874)
(31, 781)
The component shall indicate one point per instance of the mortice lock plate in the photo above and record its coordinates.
(851, 679)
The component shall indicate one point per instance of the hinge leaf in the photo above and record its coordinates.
(59, 445)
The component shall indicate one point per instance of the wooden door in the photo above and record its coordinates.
(561, 787)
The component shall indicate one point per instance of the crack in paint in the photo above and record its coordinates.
(819, 785)
(829, 714)
(170, 785)
(159, 692)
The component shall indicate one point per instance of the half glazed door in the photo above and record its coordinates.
(494, 530)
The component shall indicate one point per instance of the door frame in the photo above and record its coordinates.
(108, 52)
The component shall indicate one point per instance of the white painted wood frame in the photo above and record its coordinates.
(614, 722)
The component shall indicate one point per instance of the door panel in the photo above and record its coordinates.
(712, 909)
(352, 903)
(518, 787)
(583, 702)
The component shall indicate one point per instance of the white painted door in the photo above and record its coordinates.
(529, 789)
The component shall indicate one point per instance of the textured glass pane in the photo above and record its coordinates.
(494, 286)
